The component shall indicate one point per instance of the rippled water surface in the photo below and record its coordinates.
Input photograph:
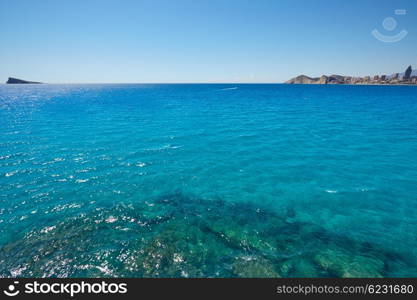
(208, 181)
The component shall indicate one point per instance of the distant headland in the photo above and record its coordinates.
(398, 78)
(12, 80)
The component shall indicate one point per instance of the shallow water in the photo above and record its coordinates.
(208, 180)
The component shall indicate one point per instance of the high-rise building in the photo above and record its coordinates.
(407, 73)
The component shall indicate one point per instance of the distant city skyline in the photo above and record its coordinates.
(214, 41)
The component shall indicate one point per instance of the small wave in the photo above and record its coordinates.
(55, 160)
(105, 270)
(331, 191)
(365, 189)
(10, 173)
(162, 148)
(178, 258)
(81, 180)
(17, 271)
(64, 207)
(111, 219)
(47, 229)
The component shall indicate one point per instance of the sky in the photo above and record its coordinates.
(179, 41)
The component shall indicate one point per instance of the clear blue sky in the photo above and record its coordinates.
(201, 40)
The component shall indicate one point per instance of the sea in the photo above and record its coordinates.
(208, 180)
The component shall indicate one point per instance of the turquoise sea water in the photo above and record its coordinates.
(208, 180)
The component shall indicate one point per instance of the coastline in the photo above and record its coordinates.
(199, 83)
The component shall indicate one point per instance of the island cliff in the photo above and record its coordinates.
(12, 80)
(404, 78)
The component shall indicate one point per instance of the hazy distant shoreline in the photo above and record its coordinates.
(406, 78)
(196, 83)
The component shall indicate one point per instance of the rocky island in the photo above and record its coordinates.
(12, 80)
(398, 78)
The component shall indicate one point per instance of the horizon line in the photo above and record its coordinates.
(43, 83)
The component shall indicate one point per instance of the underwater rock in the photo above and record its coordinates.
(254, 267)
(179, 236)
(341, 264)
(240, 237)
(179, 250)
(305, 268)
(298, 267)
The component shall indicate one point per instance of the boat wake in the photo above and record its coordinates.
(229, 89)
